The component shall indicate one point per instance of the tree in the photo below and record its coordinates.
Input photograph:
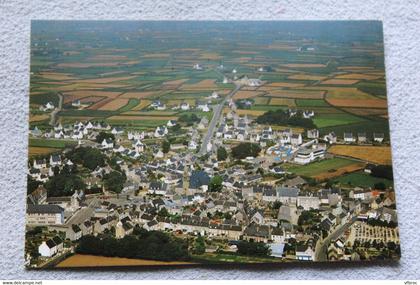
(379, 186)
(32, 185)
(253, 248)
(166, 146)
(199, 246)
(383, 171)
(87, 156)
(102, 135)
(244, 150)
(64, 184)
(114, 181)
(280, 117)
(215, 184)
(221, 154)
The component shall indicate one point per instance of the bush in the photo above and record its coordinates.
(253, 248)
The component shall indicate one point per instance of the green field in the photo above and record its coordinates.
(311, 103)
(328, 120)
(130, 105)
(319, 167)
(53, 143)
(361, 179)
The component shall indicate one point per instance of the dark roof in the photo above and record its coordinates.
(50, 243)
(44, 209)
(198, 179)
(57, 240)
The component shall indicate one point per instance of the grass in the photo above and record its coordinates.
(319, 167)
(130, 105)
(310, 103)
(232, 258)
(361, 179)
(50, 143)
(328, 120)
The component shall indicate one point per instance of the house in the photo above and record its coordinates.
(305, 155)
(38, 196)
(287, 195)
(50, 247)
(199, 180)
(107, 143)
(348, 138)
(312, 134)
(331, 138)
(44, 215)
(40, 163)
(171, 123)
(308, 202)
(138, 146)
(304, 253)
(204, 122)
(158, 188)
(378, 137)
(257, 233)
(368, 168)
(308, 114)
(55, 160)
(277, 170)
(47, 107)
(204, 107)
(197, 66)
(192, 145)
(288, 213)
(117, 131)
(185, 106)
(361, 137)
(161, 132)
(158, 105)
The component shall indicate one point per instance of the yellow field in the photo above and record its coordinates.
(340, 81)
(56, 75)
(143, 104)
(306, 77)
(142, 118)
(79, 260)
(374, 154)
(358, 76)
(203, 84)
(246, 94)
(340, 171)
(342, 92)
(261, 100)
(283, 101)
(114, 104)
(361, 103)
(242, 112)
(281, 84)
(297, 94)
(34, 150)
(156, 55)
(367, 112)
(36, 118)
(139, 95)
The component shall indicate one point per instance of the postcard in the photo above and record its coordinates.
(156, 143)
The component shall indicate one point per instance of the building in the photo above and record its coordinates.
(305, 253)
(348, 138)
(305, 155)
(312, 134)
(38, 215)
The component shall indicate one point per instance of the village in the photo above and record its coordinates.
(226, 180)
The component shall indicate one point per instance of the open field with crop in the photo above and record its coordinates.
(79, 260)
(297, 94)
(360, 76)
(373, 154)
(326, 168)
(306, 77)
(39, 151)
(339, 81)
(283, 101)
(361, 103)
(327, 120)
(114, 105)
(246, 94)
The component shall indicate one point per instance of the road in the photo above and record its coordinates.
(217, 111)
(321, 248)
(56, 110)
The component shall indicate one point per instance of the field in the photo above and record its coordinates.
(40, 151)
(328, 120)
(79, 260)
(50, 143)
(361, 179)
(326, 168)
(373, 154)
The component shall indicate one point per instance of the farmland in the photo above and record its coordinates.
(373, 154)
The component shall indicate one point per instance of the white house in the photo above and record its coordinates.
(185, 106)
(192, 145)
(349, 138)
(305, 253)
(138, 145)
(305, 155)
(312, 134)
(171, 123)
(378, 137)
(47, 248)
(117, 131)
(160, 132)
(296, 139)
(55, 160)
(107, 143)
(47, 107)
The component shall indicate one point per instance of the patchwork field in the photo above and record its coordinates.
(326, 169)
(361, 179)
(373, 154)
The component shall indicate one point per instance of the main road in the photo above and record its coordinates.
(217, 111)
(321, 248)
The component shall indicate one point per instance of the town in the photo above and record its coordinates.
(150, 147)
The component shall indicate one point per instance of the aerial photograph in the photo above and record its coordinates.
(182, 143)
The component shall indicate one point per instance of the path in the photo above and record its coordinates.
(56, 110)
